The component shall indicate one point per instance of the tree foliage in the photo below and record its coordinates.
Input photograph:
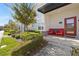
(24, 12)
(10, 26)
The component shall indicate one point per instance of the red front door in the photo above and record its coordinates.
(70, 26)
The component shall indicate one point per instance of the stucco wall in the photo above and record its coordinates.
(53, 18)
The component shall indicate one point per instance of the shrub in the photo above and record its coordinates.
(9, 32)
(13, 35)
(75, 52)
(30, 36)
(6, 29)
(6, 33)
(36, 31)
(17, 36)
(12, 31)
(28, 48)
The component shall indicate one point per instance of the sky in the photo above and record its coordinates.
(5, 14)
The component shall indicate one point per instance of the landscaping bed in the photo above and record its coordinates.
(31, 43)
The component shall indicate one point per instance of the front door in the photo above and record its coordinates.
(70, 26)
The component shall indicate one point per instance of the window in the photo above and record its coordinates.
(40, 27)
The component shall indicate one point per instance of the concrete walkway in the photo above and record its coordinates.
(58, 46)
(1, 34)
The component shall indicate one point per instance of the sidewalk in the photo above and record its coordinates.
(1, 34)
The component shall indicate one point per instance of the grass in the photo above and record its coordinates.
(11, 44)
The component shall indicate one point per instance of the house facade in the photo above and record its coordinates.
(39, 25)
(61, 19)
(20, 26)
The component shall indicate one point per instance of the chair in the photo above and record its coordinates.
(60, 32)
(50, 31)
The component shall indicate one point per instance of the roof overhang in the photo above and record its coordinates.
(51, 6)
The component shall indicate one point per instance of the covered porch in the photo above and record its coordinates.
(61, 19)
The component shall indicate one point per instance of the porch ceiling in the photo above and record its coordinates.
(51, 6)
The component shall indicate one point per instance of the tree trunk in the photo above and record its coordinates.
(25, 28)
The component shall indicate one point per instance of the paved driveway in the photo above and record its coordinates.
(58, 46)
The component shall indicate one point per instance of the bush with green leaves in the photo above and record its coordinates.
(10, 32)
(17, 36)
(30, 36)
(6, 33)
(75, 51)
(6, 29)
(36, 31)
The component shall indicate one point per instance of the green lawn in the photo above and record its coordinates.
(11, 44)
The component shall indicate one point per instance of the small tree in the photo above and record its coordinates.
(10, 26)
(24, 12)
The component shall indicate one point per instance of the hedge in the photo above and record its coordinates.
(10, 32)
(28, 47)
(30, 36)
(17, 36)
(36, 31)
